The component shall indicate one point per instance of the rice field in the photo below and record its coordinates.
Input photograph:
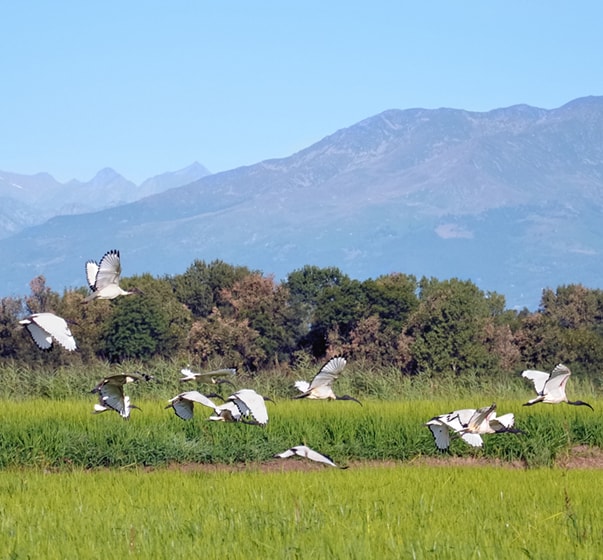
(400, 511)
(78, 485)
(44, 433)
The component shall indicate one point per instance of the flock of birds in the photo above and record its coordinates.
(249, 407)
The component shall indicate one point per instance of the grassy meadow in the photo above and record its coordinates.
(401, 511)
(78, 485)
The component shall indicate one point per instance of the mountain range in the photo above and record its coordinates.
(510, 199)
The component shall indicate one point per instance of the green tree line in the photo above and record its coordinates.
(216, 313)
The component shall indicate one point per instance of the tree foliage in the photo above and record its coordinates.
(230, 316)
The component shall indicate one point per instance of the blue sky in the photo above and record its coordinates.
(148, 87)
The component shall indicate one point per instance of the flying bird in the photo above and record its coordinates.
(307, 453)
(125, 406)
(184, 406)
(103, 278)
(46, 328)
(251, 405)
(111, 395)
(321, 385)
(244, 406)
(212, 377)
(469, 424)
(550, 388)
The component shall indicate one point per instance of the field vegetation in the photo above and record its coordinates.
(48, 422)
(78, 485)
(394, 511)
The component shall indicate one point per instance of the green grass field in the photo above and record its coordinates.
(78, 485)
(377, 512)
(44, 433)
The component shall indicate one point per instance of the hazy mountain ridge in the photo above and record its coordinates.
(509, 198)
(27, 200)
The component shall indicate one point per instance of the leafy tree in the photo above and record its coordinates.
(88, 322)
(447, 328)
(200, 286)
(42, 298)
(225, 340)
(369, 342)
(392, 298)
(264, 306)
(152, 323)
(338, 310)
(11, 310)
(568, 327)
(310, 288)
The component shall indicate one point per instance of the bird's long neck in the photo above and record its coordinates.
(580, 403)
(347, 398)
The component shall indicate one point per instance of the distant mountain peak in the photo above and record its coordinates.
(106, 174)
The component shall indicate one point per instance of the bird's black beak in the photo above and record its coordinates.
(348, 398)
(220, 381)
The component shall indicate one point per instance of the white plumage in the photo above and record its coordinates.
(469, 424)
(251, 405)
(111, 395)
(45, 328)
(125, 406)
(245, 406)
(184, 404)
(103, 278)
(321, 385)
(550, 387)
(307, 453)
(213, 377)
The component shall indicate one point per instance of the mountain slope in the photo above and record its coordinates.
(510, 199)
(27, 200)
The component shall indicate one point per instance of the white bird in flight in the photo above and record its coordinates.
(213, 377)
(103, 278)
(469, 424)
(45, 328)
(307, 453)
(124, 410)
(550, 387)
(321, 385)
(244, 406)
(111, 393)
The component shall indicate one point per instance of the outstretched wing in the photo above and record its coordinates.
(42, 339)
(112, 396)
(502, 423)
(329, 372)
(307, 453)
(555, 386)
(286, 454)
(480, 416)
(57, 328)
(251, 404)
(441, 434)
(474, 440)
(183, 404)
(109, 270)
(91, 272)
(539, 378)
